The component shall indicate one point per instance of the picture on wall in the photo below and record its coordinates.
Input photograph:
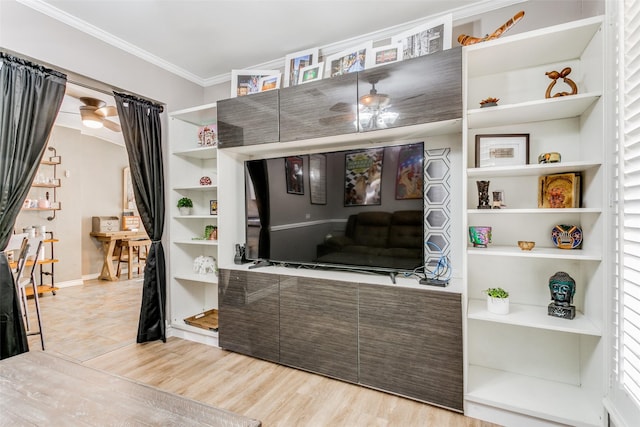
(363, 177)
(409, 178)
(246, 82)
(295, 62)
(431, 37)
(347, 61)
(293, 167)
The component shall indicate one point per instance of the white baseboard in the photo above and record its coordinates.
(69, 283)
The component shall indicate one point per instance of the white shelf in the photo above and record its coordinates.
(544, 46)
(196, 188)
(200, 115)
(531, 170)
(555, 401)
(532, 111)
(534, 211)
(195, 277)
(533, 316)
(199, 152)
(196, 242)
(536, 252)
(196, 217)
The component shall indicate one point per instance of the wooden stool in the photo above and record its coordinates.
(131, 252)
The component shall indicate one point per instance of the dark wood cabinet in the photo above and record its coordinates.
(410, 343)
(248, 120)
(324, 108)
(249, 313)
(419, 90)
(318, 326)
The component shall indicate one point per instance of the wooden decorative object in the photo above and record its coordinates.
(466, 40)
(554, 75)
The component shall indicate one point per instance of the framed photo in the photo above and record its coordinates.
(410, 175)
(246, 82)
(269, 83)
(293, 167)
(318, 179)
(347, 61)
(128, 198)
(311, 73)
(502, 150)
(430, 37)
(213, 207)
(362, 178)
(295, 62)
(383, 55)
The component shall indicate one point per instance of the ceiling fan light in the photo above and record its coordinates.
(89, 118)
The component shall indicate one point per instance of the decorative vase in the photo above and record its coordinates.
(498, 305)
(185, 211)
(483, 194)
(480, 236)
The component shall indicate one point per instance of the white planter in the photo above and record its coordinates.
(185, 211)
(498, 305)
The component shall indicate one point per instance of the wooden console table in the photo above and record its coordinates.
(40, 389)
(109, 240)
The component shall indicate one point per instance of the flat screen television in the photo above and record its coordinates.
(359, 209)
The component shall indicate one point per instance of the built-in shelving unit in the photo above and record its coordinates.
(191, 293)
(526, 367)
(43, 198)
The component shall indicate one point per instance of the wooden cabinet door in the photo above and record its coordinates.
(318, 326)
(411, 343)
(248, 120)
(248, 316)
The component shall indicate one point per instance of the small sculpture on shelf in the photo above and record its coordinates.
(562, 288)
(207, 136)
(483, 194)
(466, 40)
(498, 200)
(552, 157)
(480, 236)
(205, 265)
(555, 75)
(489, 102)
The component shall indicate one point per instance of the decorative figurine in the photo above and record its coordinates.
(480, 236)
(554, 75)
(489, 102)
(483, 194)
(465, 40)
(566, 236)
(553, 157)
(498, 200)
(205, 180)
(562, 288)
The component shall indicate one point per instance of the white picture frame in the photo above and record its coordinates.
(383, 55)
(267, 83)
(430, 37)
(347, 61)
(311, 73)
(294, 62)
(246, 82)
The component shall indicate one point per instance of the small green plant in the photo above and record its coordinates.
(496, 293)
(185, 202)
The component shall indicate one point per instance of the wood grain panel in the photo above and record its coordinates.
(248, 120)
(323, 108)
(421, 90)
(249, 313)
(318, 326)
(411, 343)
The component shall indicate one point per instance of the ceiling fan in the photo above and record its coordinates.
(94, 114)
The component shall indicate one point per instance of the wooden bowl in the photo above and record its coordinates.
(525, 245)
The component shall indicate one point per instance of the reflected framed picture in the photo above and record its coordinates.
(409, 176)
(246, 82)
(363, 177)
(311, 73)
(318, 179)
(494, 150)
(383, 55)
(295, 62)
(294, 168)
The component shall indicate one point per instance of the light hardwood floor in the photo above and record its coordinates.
(96, 325)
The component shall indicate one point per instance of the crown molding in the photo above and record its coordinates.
(460, 15)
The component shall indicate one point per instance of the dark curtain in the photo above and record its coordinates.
(30, 97)
(260, 180)
(140, 121)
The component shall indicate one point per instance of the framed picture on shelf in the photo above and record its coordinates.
(383, 55)
(246, 82)
(213, 207)
(431, 37)
(318, 179)
(502, 150)
(311, 73)
(293, 167)
(347, 61)
(295, 62)
(269, 83)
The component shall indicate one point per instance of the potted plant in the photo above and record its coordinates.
(185, 204)
(497, 300)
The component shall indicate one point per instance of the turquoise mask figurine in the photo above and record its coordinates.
(562, 288)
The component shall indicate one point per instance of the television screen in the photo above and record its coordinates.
(356, 209)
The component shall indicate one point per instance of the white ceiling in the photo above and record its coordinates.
(203, 40)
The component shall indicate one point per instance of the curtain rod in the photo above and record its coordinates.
(107, 92)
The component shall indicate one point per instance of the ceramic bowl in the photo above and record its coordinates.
(525, 245)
